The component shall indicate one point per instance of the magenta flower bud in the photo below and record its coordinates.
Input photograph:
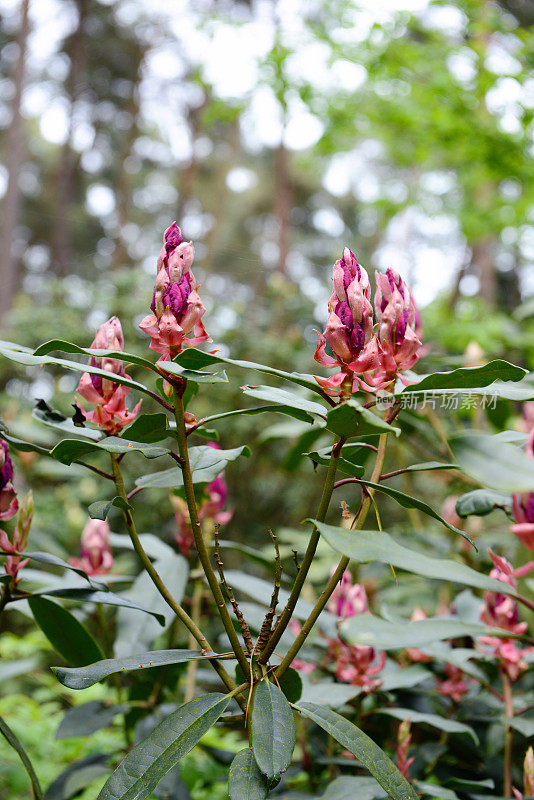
(349, 327)
(523, 507)
(8, 496)
(20, 539)
(108, 396)
(95, 549)
(398, 322)
(348, 599)
(176, 306)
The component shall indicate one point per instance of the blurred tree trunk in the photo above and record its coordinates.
(482, 259)
(61, 244)
(282, 204)
(9, 278)
(220, 194)
(189, 173)
(123, 194)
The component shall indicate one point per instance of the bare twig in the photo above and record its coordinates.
(245, 631)
(266, 628)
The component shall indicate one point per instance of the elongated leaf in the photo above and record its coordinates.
(143, 767)
(469, 377)
(362, 746)
(138, 633)
(153, 546)
(245, 781)
(273, 730)
(149, 428)
(22, 446)
(348, 467)
(78, 776)
(61, 346)
(427, 466)
(54, 419)
(497, 465)
(67, 636)
(101, 508)
(94, 596)
(192, 375)
(86, 719)
(249, 552)
(12, 740)
(433, 790)
(198, 359)
(407, 501)
(328, 693)
(522, 725)
(84, 677)
(435, 721)
(28, 359)
(12, 669)
(206, 464)
(295, 404)
(385, 635)
(481, 502)
(352, 419)
(70, 450)
(358, 787)
(366, 546)
(273, 408)
(48, 558)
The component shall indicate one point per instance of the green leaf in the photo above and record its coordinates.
(22, 446)
(198, 359)
(249, 552)
(149, 428)
(61, 346)
(433, 790)
(192, 375)
(138, 633)
(86, 719)
(469, 377)
(291, 685)
(24, 356)
(349, 787)
(54, 419)
(348, 467)
(328, 693)
(366, 546)
(143, 767)
(426, 466)
(407, 501)
(11, 669)
(78, 776)
(153, 546)
(441, 723)
(67, 636)
(360, 745)
(84, 677)
(273, 408)
(70, 450)
(48, 558)
(497, 465)
(101, 508)
(481, 502)
(245, 781)
(12, 740)
(272, 730)
(352, 419)
(385, 635)
(522, 725)
(295, 405)
(104, 597)
(206, 464)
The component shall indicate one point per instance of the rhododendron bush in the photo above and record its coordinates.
(304, 652)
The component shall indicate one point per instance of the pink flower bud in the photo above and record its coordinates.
(8, 496)
(348, 599)
(95, 549)
(349, 327)
(398, 321)
(108, 396)
(455, 685)
(176, 306)
(404, 740)
(20, 539)
(523, 507)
